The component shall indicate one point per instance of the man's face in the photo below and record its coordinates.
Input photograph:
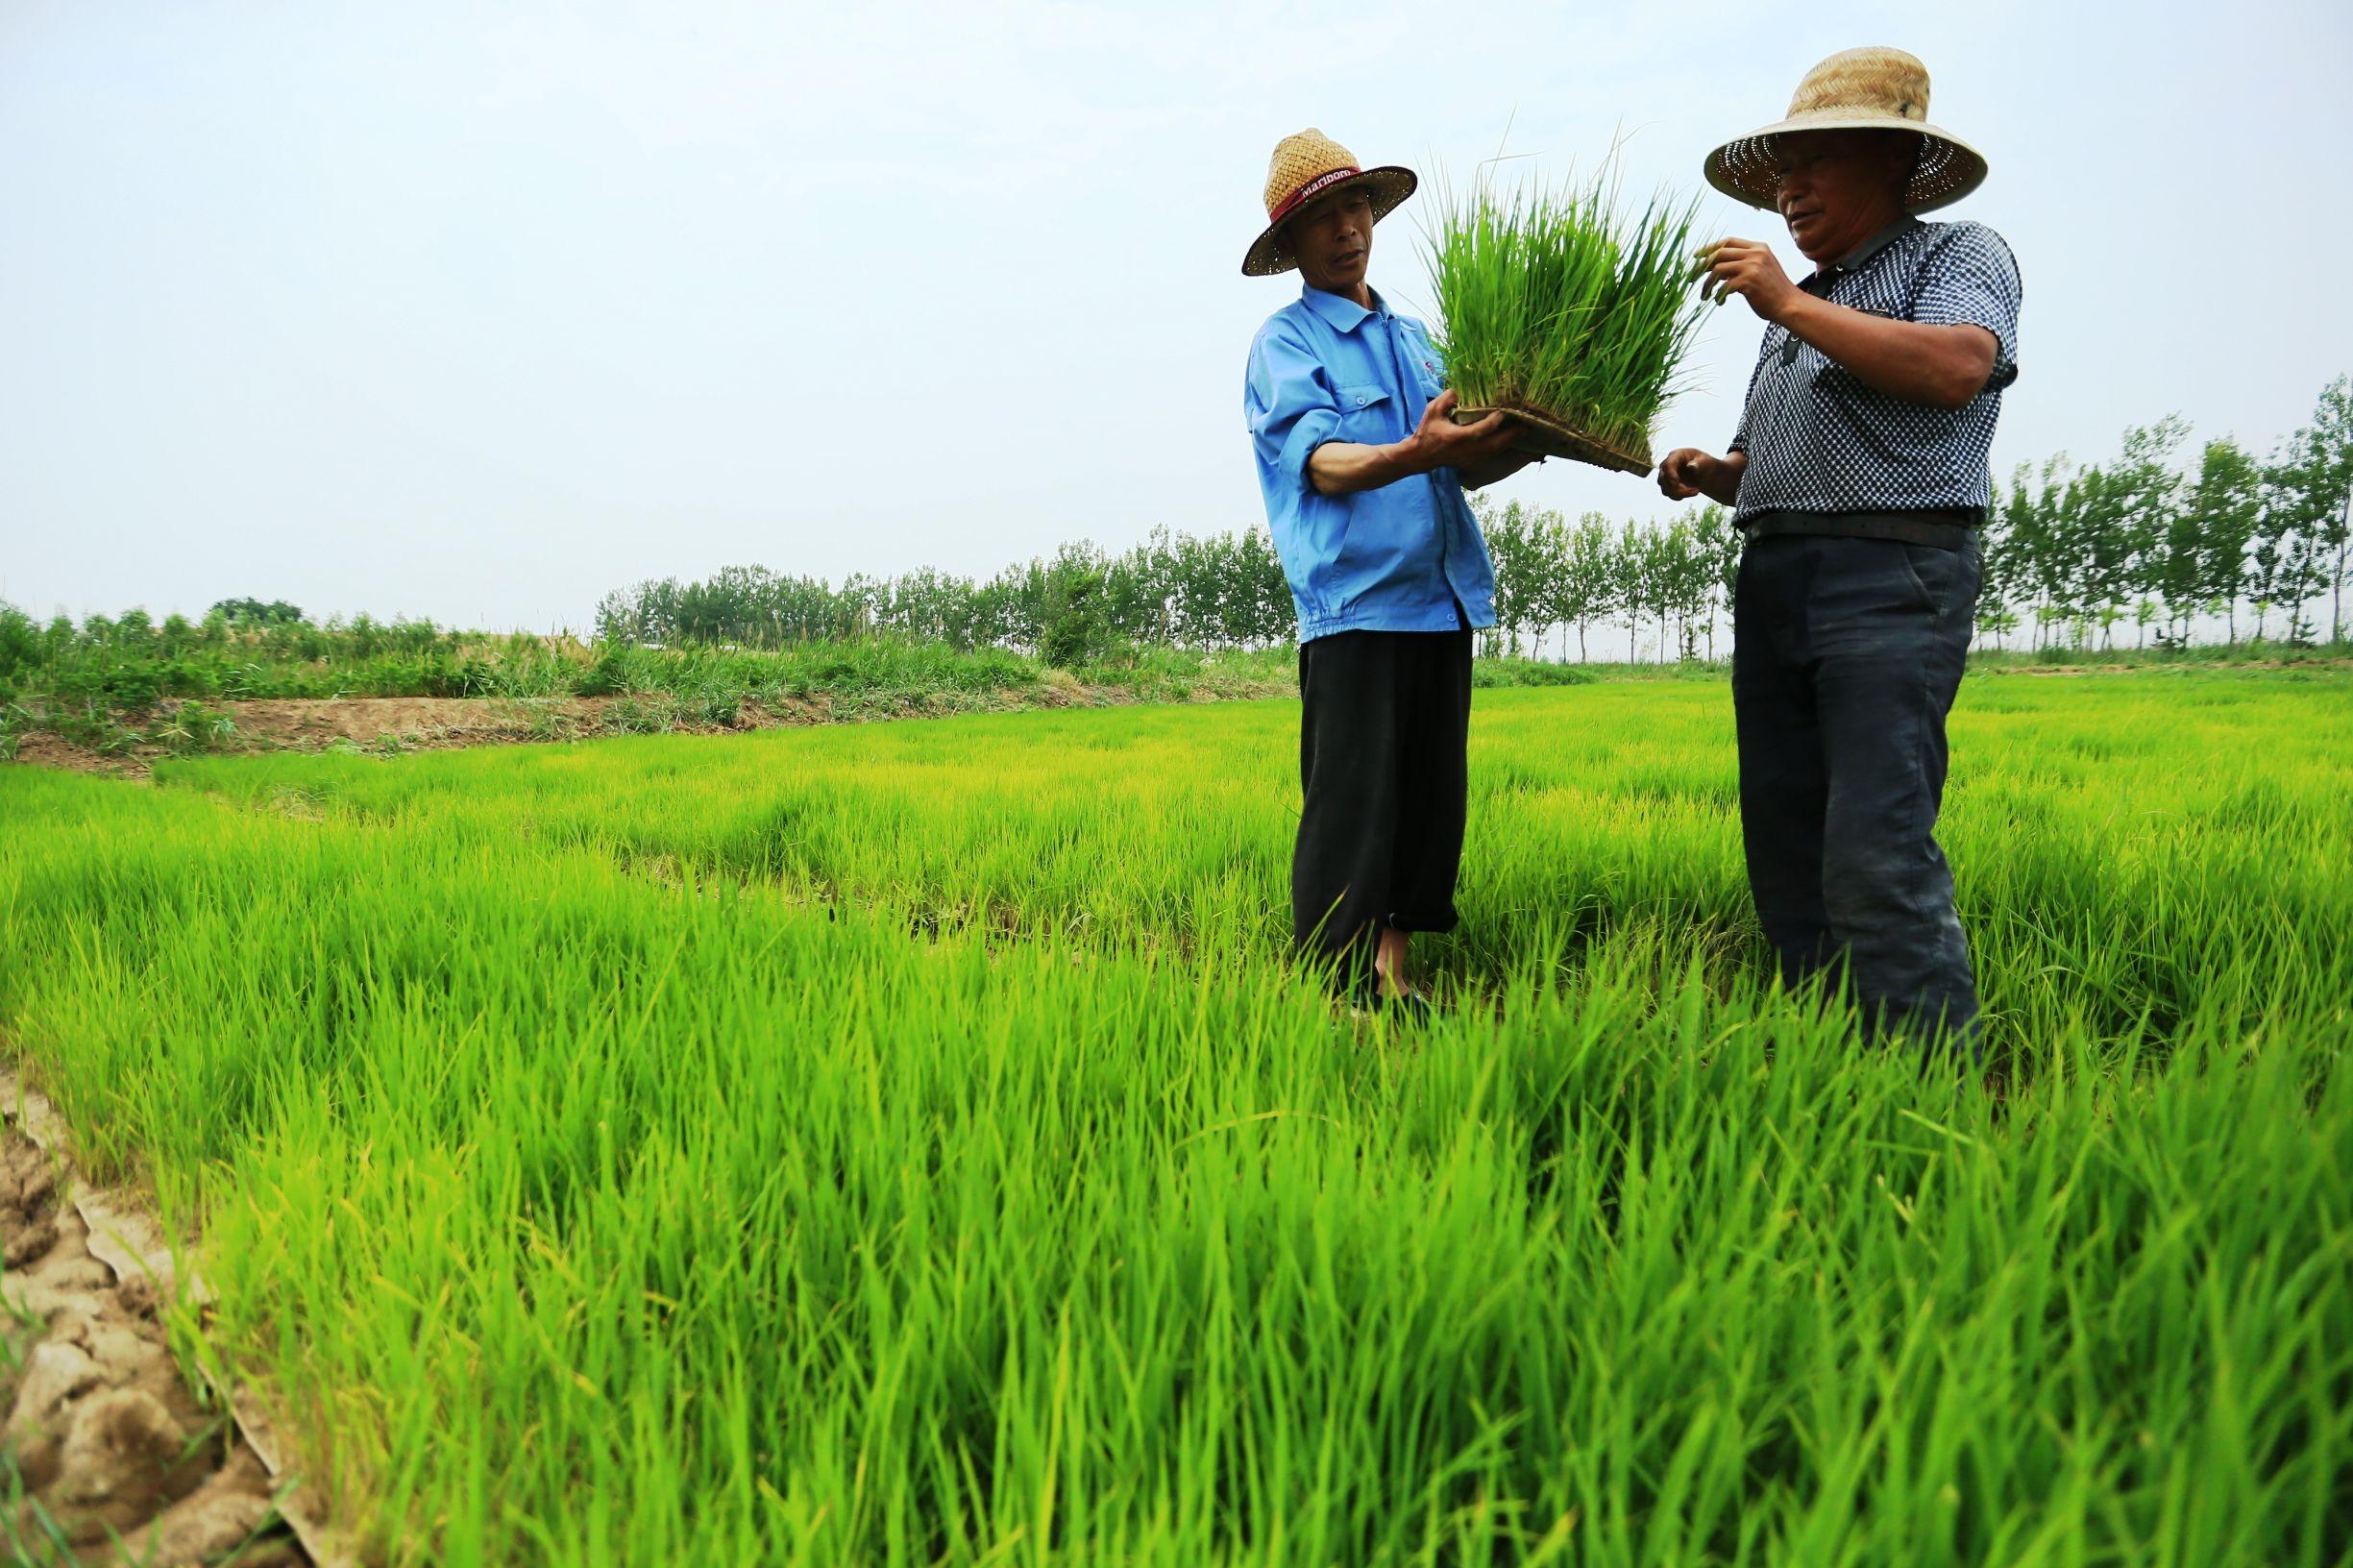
(1837, 188)
(1333, 239)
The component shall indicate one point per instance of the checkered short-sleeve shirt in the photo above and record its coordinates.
(1819, 440)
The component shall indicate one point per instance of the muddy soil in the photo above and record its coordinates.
(107, 1455)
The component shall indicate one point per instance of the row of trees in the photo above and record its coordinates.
(2075, 550)
(1225, 590)
(1553, 577)
(1222, 591)
(2236, 539)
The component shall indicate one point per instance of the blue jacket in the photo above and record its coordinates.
(1392, 559)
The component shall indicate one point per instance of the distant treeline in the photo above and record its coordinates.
(1221, 592)
(2253, 542)
(1226, 591)
(2071, 553)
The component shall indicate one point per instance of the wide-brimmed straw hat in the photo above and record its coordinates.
(1304, 167)
(1856, 89)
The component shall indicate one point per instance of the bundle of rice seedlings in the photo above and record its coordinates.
(1566, 310)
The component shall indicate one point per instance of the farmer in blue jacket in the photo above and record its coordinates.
(1363, 475)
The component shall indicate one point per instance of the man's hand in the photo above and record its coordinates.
(1687, 471)
(1749, 270)
(1942, 366)
(1438, 442)
(1481, 453)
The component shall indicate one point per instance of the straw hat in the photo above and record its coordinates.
(1304, 167)
(1856, 89)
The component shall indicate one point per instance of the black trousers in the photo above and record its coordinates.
(1383, 734)
(1847, 655)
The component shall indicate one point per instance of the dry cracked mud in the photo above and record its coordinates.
(107, 1455)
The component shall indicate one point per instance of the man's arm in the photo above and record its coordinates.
(1341, 468)
(1940, 367)
(1943, 366)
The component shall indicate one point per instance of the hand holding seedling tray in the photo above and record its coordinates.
(1539, 432)
(1569, 315)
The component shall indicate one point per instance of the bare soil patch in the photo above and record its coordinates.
(447, 719)
(412, 724)
(314, 724)
(110, 1457)
(110, 1454)
(43, 749)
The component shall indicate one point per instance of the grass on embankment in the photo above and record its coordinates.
(140, 700)
(639, 1153)
(124, 693)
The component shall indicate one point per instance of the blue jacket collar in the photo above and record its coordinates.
(1342, 315)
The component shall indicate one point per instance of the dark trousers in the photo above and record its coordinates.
(1382, 735)
(1846, 657)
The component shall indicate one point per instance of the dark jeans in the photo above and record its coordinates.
(1383, 727)
(1846, 657)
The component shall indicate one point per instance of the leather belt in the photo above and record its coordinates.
(1944, 527)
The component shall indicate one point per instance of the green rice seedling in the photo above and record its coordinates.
(902, 1144)
(1566, 306)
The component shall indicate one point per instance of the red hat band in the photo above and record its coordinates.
(1310, 190)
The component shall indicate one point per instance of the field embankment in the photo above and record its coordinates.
(116, 701)
(119, 705)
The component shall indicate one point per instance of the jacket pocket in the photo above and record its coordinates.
(1365, 411)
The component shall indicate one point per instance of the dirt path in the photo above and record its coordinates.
(403, 722)
(107, 1452)
(422, 723)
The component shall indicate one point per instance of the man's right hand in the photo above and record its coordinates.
(1438, 442)
(1687, 471)
(1478, 451)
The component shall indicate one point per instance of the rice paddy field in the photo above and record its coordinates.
(904, 1143)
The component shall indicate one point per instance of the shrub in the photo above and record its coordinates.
(1075, 629)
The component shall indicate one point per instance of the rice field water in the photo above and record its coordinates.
(902, 1144)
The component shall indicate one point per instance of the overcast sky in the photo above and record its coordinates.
(476, 312)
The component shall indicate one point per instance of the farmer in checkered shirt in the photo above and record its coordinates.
(1859, 476)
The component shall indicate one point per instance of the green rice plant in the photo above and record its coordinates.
(1565, 303)
(903, 1144)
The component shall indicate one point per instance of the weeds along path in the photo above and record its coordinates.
(562, 1216)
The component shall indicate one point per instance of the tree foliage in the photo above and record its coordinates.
(2167, 547)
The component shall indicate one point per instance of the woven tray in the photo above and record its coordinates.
(1555, 439)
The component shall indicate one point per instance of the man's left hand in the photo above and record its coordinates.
(1748, 269)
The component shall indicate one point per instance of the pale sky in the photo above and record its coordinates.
(476, 312)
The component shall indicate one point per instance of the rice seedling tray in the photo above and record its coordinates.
(1567, 308)
(1548, 436)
